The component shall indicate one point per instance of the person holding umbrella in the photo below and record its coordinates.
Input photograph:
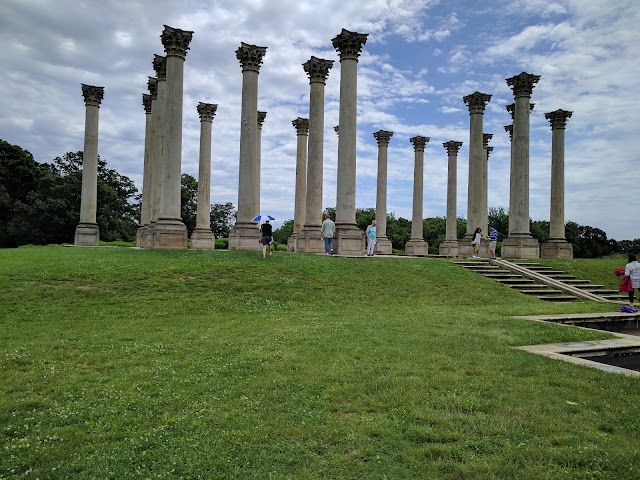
(266, 233)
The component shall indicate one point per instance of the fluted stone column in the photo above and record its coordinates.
(520, 243)
(476, 103)
(300, 204)
(87, 232)
(309, 239)
(349, 239)
(158, 146)
(416, 244)
(383, 244)
(450, 246)
(484, 209)
(145, 212)
(557, 245)
(202, 237)
(244, 235)
(170, 230)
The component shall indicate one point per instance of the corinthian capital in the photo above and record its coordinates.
(452, 147)
(160, 66)
(146, 103)
(522, 85)
(175, 41)
(317, 69)
(489, 150)
(558, 118)
(486, 138)
(419, 142)
(250, 56)
(92, 95)
(301, 125)
(349, 44)
(261, 117)
(207, 111)
(383, 137)
(509, 130)
(152, 83)
(476, 102)
(337, 129)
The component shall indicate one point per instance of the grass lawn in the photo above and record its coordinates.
(122, 363)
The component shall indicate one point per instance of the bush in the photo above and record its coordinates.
(222, 243)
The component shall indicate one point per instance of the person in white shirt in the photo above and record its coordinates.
(632, 270)
(477, 240)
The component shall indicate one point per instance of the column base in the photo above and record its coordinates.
(465, 249)
(87, 235)
(349, 240)
(383, 246)
(170, 233)
(244, 236)
(309, 240)
(416, 247)
(556, 248)
(449, 248)
(141, 236)
(149, 235)
(202, 239)
(291, 243)
(520, 247)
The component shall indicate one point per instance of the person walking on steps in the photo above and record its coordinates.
(632, 270)
(476, 241)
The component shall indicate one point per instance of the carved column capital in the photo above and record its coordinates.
(452, 147)
(207, 111)
(92, 95)
(160, 66)
(419, 142)
(486, 138)
(509, 130)
(301, 125)
(349, 44)
(261, 117)
(250, 56)
(558, 118)
(522, 84)
(489, 150)
(511, 108)
(317, 69)
(337, 129)
(176, 41)
(476, 102)
(146, 103)
(383, 137)
(152, 83)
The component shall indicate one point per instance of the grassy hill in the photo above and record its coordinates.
(124, 363)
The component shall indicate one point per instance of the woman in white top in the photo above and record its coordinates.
(477, 240)
(632, 270)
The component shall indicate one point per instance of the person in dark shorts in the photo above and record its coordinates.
(266, 233)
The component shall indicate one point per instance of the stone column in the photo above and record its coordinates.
(349, 239)
(202, 237)
(300, 205)
(383, 244)
(484, 209)
(309, 239)
(244, 235)
(158, 148)
(520, 243)
(449, 246)
(87, 232)
(416, 245)
(258, 165)
(170, 230)
(557, 245)
(476, 103)
(145, 212)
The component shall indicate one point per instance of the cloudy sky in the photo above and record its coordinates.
(421, 58)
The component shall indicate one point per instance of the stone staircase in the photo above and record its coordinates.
(550, 290)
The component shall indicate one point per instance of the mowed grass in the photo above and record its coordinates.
(123, 363)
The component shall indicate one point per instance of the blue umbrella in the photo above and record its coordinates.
(261, 218)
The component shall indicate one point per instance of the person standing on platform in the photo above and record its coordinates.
(476, 241)
(327, 232)
(370, 233)
(632, 270)
(493, 240)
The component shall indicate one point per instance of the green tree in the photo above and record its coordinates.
(398, 231)
(282, 234)
(499, 219)
(364, 217)
(540, 230)
(189, 201)
(433, 231)
(223, 217)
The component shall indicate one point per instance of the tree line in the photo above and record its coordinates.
(40, 204)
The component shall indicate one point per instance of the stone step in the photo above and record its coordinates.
(557, 298)
(538, 268)
(500, 275)
(527, 264)
(472, 262)
(560, 276)
(575, 282)
(515, 281)
(552, 273)
(481, 267)
(537, 286)
(549, 291)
